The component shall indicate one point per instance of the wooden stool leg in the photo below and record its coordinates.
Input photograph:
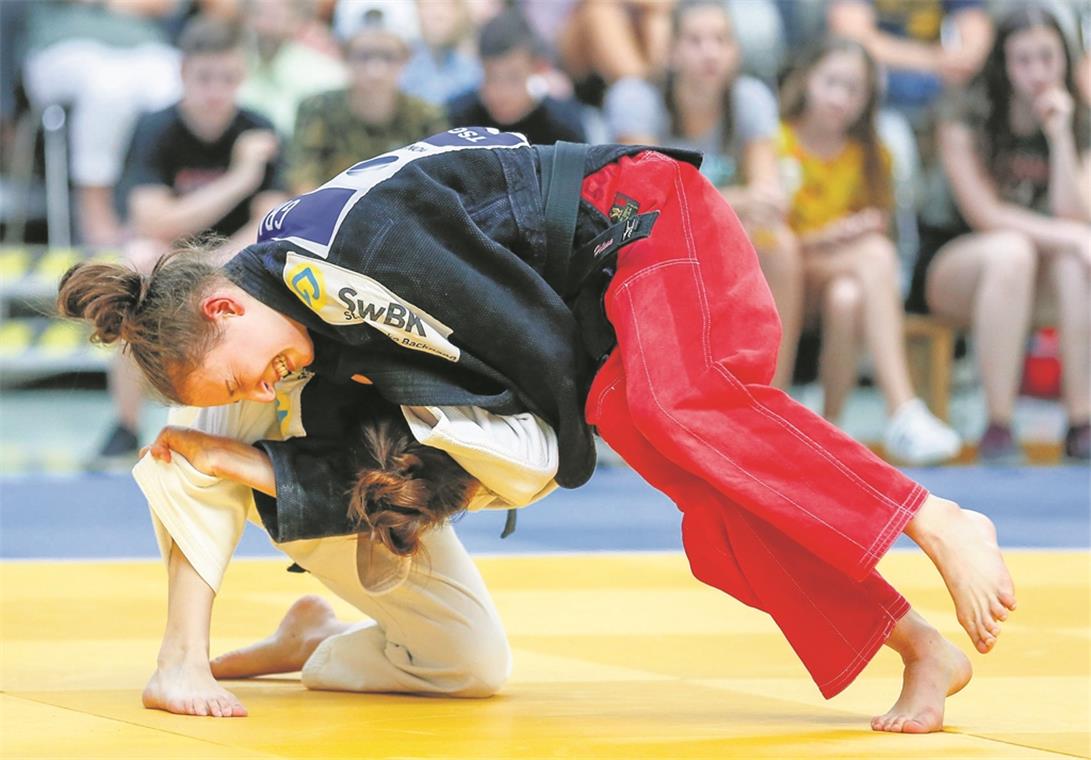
(942, 350)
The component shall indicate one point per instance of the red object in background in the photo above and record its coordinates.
(1042, 366)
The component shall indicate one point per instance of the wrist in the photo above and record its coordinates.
(247, 176)
(1060, 135)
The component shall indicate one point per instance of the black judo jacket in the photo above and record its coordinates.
(424, 269)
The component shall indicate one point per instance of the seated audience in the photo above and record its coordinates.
(1017, 248)
(336, 129)
(706, 105)
(512, 55)
(202, 165)
(108, 62)
(838, 177)
(923, 46)
(282, 70)
(443, 63)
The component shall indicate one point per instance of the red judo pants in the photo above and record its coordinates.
(780, 509)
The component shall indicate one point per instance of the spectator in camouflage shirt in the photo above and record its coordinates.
(372, 116)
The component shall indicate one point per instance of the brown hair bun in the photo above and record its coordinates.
(406, 488)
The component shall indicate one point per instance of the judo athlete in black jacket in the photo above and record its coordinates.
(606, 289)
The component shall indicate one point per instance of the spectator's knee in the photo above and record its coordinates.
(877, 263)
(842, 299)
(1012, 262)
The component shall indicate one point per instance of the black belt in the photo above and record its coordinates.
(561, 169)
(580, 276)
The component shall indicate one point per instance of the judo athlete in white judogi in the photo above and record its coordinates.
(432, 627)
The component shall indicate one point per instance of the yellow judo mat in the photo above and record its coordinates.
(616, 656)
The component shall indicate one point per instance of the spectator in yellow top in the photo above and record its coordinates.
(838, 177)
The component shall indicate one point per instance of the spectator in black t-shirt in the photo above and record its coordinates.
(201, 165)
(511, 56)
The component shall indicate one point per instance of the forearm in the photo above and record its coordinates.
(842, 230)
(1044, 231)
(1069, 196)
(259, 207)
(242, 463)
(856, 20)
(196, 211)
(897, 53)
(189, 614)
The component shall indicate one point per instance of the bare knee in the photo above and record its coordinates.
(841, 300)
(877, 261)
(1012, 264)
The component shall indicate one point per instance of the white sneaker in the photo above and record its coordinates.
(917, 437)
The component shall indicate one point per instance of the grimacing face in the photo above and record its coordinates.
(257, 347)
(1035, 62)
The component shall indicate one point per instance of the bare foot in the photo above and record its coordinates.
(190, 690)
(934, 670)
(308, 623)
(962, 545)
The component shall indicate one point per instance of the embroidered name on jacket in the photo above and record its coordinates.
(340, 296)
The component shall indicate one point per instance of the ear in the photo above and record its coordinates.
(221, 305)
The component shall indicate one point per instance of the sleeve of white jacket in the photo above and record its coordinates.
(515, 457)
(202, 514)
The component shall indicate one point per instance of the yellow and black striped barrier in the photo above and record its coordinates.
(33, 342)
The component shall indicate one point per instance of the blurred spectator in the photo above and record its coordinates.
(1015, 149)
(838, 176)
(312, 20)
(759, 29)
(707, 106)
(605, 40)
(336, 129)
(443, 63)
(512, 57)
(400, 16)
(281, 70)
(109, 61)
(923, 45)
(201, 165)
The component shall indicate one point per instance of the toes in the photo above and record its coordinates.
(896, 724)
(999, 611)
(913, 726)
(1007, 599)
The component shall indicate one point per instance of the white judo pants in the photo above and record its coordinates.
(433, 628)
